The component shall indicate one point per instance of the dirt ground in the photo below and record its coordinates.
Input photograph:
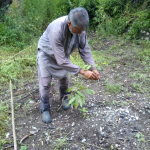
(113, 122)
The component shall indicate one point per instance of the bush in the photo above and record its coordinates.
(117, 17)
(27, 19)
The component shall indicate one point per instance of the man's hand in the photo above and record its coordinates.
(88, 74)
(96, 73)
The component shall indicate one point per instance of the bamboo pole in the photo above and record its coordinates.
(13, 120)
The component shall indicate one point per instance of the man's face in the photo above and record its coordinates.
(75, 29)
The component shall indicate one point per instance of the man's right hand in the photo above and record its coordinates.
(88, 74)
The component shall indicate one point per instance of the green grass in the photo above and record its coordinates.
(113, 88)
(18, 65)
(4, 122)
(101, 58)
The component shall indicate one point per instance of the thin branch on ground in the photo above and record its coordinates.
(61, 103)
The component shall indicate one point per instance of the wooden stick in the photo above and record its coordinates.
(13, 122)
(61, 102)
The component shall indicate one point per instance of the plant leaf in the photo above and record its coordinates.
(81, 94)
(68, 90)
(72, 100)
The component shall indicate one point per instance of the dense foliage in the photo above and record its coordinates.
(26, 20)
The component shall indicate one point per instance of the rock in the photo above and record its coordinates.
(34, 128)
(7, 135)
(31, 102)
(84, 140)
(122, 116)
(116, 145)
(102, 134)
(73, 124)
(107, 145)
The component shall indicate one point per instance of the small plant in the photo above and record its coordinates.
(24, 147)
(84, 111)
(60, 143)
(123, 103)
(112, 147)
(113, 103)
(113, 88)
(140, 137)
(77, 97)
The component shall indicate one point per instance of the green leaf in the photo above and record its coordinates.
(76, 104)
(80, 94)
(83, 109)
(70, 89)
(90, 91)
(99, 68)
(137, 135)
(80, 102)
(72, 100)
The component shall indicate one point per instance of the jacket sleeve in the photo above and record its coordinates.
(85, 51)
(59, 53)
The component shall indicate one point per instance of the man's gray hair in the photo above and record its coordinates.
(79, 18)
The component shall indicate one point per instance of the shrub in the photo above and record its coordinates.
(34, 16)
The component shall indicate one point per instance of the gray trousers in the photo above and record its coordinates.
(44, 90)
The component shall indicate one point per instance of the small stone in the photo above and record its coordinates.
(134, 143)
(107, 145)
(116, 145)
(122, 116)
(137, 118)
(140, 110)
(102, 134)
(73, 124)
(31, 102)
(7, 135)
(108, 107)
(84, 140)
(34, 128)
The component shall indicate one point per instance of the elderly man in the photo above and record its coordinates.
(60, 39)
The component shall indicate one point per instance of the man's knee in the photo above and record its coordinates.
(46, 82)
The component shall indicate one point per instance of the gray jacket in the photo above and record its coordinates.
(55, 46)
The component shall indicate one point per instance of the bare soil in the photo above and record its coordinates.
(114, 121)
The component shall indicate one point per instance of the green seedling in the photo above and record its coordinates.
(84, 111)
(24, 147)
(140, 137)
(77, 97)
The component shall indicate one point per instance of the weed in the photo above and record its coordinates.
(83, 110)
(123, 103)
(3, 118)
(18, 66)
(113, 88)
(113, 103)
(140, 137)
(24, 147)
(112, 147)
(60, 143)
(138, 76)
(137, 87)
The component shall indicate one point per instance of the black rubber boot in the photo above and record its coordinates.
(46, 117)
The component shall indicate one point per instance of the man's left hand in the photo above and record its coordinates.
(96, 73)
